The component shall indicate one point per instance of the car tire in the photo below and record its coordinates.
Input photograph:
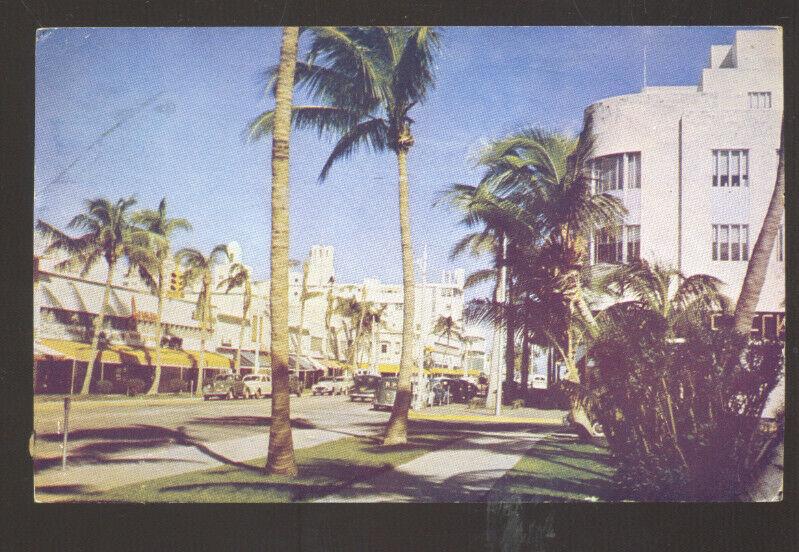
(205, 397)
(230, 395)
(258, 394)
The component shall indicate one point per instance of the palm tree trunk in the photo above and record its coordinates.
(98, 327)
(159, 333)
(525, 364)
(280, 458)
(758, 262)
(237, 364)
(510, 340)
(397, 429)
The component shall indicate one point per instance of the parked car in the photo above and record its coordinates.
(331, 386)
(364, 388)
(386, 393)
(461, 391)
(225, 386)
(257, 385)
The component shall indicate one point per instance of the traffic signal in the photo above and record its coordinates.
(176, 284)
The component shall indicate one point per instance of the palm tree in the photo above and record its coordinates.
(157, 223)
(280, 458)
(305, 296)
(239, 277)
(368, 79)
(199, 268)
(351, 310)
(108, 234)
(662, 290)
(758, 262)
(371, 324)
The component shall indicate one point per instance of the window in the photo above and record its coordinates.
(633, 243)
(760, 100)
(608, 245)
(384, 348)
(730, 242)
(730, 168)
(633, 170)
(611, 171)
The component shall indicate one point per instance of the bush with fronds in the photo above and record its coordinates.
(682, 416)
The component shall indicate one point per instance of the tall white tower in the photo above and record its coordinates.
(320, 265)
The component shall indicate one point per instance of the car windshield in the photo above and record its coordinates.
(224, 378)
(251, 378)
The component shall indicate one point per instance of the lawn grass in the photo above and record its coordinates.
(558, 469)
(324, 469)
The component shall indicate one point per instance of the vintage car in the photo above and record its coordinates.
(225, 386)
(387, 393)
(331, 386)
(257, 385)
(364, 388)
(460, 391)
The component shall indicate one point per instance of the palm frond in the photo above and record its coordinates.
(372, 133)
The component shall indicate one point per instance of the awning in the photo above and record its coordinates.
(125, 354)
(42, 352)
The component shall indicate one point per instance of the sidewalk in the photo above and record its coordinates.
(172, 460)
(463, 472)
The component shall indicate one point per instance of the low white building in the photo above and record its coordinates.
(695, 167)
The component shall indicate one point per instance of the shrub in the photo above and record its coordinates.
(105, 387)
(134, 386)
(682, 419)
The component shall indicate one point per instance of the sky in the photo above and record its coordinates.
(162, 112)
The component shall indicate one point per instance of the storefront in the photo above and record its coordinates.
(63, 370)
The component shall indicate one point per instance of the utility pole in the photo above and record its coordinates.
(423, 328)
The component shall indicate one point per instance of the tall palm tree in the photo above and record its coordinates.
(239, 277)
(758, 262)
(367, 80)
(280, 458)
(157, 223)
(108, 235)
(199, 268)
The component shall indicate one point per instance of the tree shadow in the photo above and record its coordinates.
(127, 438)
(249, 421)
(64, 490)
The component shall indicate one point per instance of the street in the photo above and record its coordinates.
(117, 443)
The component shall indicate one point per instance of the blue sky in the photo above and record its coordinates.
(161, 112)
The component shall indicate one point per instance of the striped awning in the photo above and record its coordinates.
(125, 354)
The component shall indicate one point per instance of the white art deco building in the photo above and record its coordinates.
(695, 166)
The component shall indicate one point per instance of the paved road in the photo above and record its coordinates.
(95, 433)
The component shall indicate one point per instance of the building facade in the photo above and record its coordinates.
(695, 167)
(322, 335)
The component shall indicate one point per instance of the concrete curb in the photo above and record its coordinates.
(483, 419)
